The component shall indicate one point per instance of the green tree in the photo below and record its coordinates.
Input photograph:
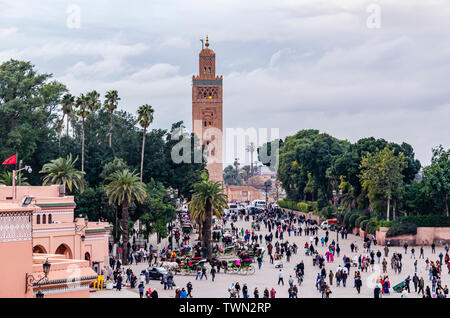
(145, 118)
(123, 189)
(63, 171)
(208, 200)
(437, 177)
(381, 175)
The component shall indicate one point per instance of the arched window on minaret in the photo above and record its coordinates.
(204, 70)
(209, 70)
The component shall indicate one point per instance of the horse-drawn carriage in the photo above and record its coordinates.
(239, 266)
(186, 228)
(228, 251)
(189, 265)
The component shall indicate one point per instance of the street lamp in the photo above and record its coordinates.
(27, 168)
(30, 279)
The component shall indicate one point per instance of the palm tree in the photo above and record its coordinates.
(145, 118)
(63, 171)
(207, 200)
(111, 99)
(6, 179)
(123, 189)
(93, 101)
(83, 112)
(67, 104)
(251, 148)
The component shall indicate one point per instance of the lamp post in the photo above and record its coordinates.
(27, 168)
(30, 279)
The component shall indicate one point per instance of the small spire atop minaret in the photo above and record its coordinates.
(207, 42)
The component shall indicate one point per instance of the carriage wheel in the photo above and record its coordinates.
(251, 270)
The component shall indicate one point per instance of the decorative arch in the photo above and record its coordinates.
(39, 249)
(64, 250)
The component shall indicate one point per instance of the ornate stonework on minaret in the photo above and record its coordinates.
(207, 111)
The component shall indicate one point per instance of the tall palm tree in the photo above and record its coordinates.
(66, 106)
(83, 112)
(123, 189)
(145, 118)
(93, 101)
(111, 100)
(207, 200)
(63, 171)
(251, 148)
(7, 176)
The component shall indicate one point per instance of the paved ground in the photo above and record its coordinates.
(268, 275)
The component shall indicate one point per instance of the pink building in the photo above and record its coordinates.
(46, 229)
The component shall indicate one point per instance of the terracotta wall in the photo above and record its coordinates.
(425, 236)
(15, 263)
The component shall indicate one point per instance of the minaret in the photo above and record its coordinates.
(207, 113)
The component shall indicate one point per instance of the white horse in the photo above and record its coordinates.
(169, 265)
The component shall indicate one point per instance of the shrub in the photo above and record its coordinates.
(359, 219)
(347, 218)
(363, 224)
(401, 228)
(385, 223)
(313, 206)
(328, 212)
(302, 207)
(371, 226)
(353, 218)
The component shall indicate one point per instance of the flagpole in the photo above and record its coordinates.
(14, 179)
(14, 185)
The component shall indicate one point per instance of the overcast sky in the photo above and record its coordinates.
(287, 64)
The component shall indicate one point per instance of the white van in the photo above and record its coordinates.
(233, 208)
(259, 203)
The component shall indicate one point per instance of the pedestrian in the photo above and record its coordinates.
(280, 277)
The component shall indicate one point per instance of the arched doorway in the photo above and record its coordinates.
(64, 250)
(39, 249)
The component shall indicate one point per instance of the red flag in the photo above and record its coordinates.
(10, 161)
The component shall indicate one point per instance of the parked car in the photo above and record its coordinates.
(156, 272)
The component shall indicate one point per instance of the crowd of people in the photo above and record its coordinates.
(333, 269)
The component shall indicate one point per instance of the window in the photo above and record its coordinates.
(204, 123)
(38, 219)
(209, 70)
(50, 219)
(44, 219)
(204, 70)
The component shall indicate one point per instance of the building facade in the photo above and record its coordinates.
(207, 111)
(46, 229)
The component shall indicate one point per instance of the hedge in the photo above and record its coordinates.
(298, 206)
(426, 220)
(353, 218)
(302, 207)
(401, 228)
(385, 223)
(347, 218)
